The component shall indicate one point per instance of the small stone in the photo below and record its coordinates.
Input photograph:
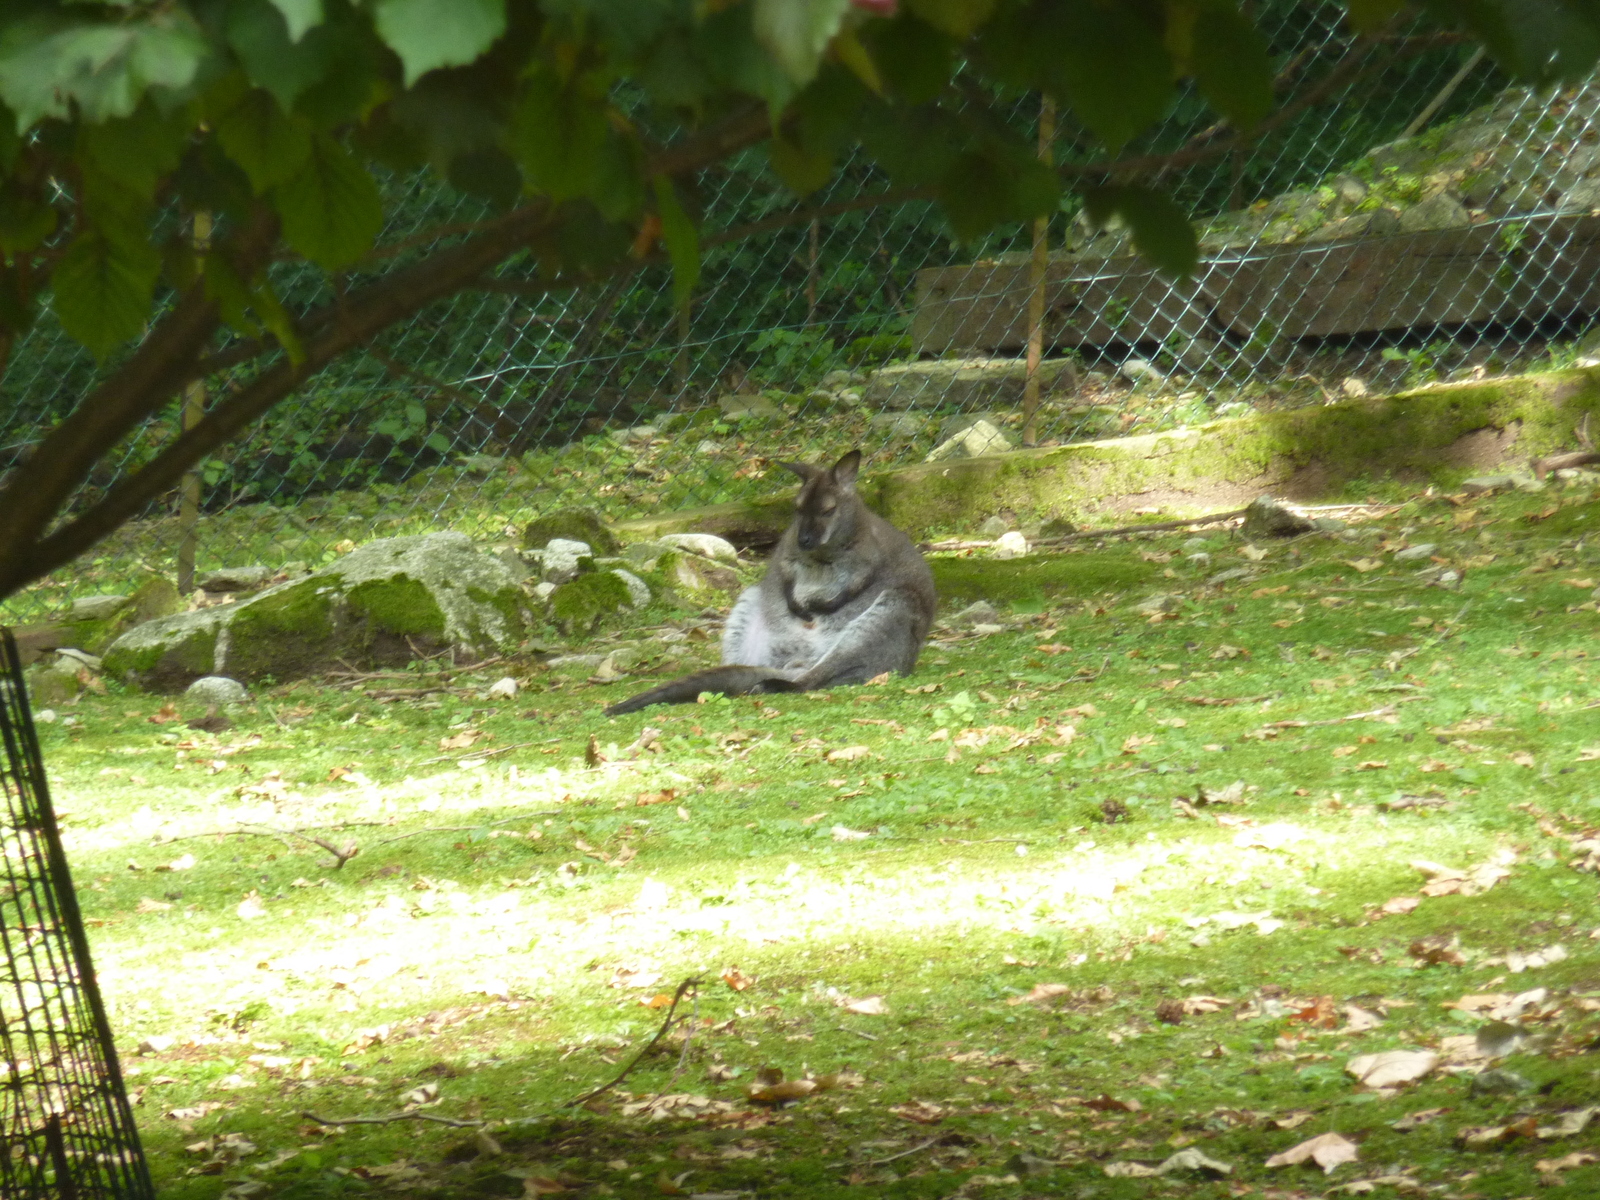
(1141, 370)
(217, 690)
(1440, 211)
(1231, 575)
(1527, 483)
(541, 591)
(561, 559)
(483, 464)
(1481, 485)
(957, 425)
(95, 608)
(1421, 551)
(586, 661)
(979, 613)
(71, 658)
(1160, 603)
(638, 590)
(1010, 545)
(45, 716)
(708, 447)
(1449, 580)
(1499, 1081)
(1354, 387)
(235, 579)
(1199, 560)
(984, 629)
(503, 688)
(1267, 517)
(898, 425)
(1197, 543)
(1328, 524)
(982, 438)
(993, 527)
(574, 525)
(707, 545)
(735, 407)
(1349, 189)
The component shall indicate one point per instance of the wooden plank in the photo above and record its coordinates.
(1446, 277)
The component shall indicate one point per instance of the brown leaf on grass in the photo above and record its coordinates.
(1319, 1011)
(1225, 651)
(1327, 1150)
(1291, 1120)
(920, 1111)
(780, 1093)
(1494, 1135)
(1453, 881)
(1568, 1124)
(1105, 1102)
(1414, 1120)
(463, 739)
(849, 753)
(1399, 905)
(1372, 764)
(1391, 1067)
(147, 905)
(1518, 961)
(1040, 993)
(1170, 1012)
(867, 1006)
(877, 680)
(736, 979)
(664, 796)
(1359, 1020)
(166, 713)
(1343, 751)
(1437, 950)
(1567, 1162)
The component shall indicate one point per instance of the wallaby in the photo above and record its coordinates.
(845, 598)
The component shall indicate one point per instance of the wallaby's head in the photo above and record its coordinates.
(827, 511)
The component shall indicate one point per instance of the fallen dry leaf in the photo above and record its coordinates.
(1327, 1150)
(867, 1006)
(1568, 1123)
(849, 753)
(920, 1111)
(1493, 1135)
(1391, 1067)
(736, 979)
(1105, 1102)
(1040, 992)
(1414, 1120)
(1578, 1158)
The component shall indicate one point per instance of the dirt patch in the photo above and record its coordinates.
(1482, 448)
(1220, 495)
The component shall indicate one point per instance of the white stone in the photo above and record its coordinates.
(559, 562)
(982, 438)
(541, 591)
(1010, 545)
(1141, 370)
(1422, 550)
(638, 590)
(217, 690)
(503, 688)
(95, 608)
(707, 545)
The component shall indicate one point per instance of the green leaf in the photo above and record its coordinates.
(269, 144)
(802, 170)
(138, 150)
(277, 319)
(958, 18)
(331, 210)
(299, 16)
(682, 239)
(796, 32)
(52, 61)
(1232, 65)
(228, 292)
(273, 56)
(1369, 16)
(1540, 41)
(975, 197)
(438, 33)
(1111, 67)
(1161, 230)
(102, 290)
(25, 221)
(558, 135)
(915, 58)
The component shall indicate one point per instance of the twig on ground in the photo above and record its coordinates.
(860, 1033)
(400, 837)
(485, 753)
(917, 1149)
(391, 1119)
(666, 1024)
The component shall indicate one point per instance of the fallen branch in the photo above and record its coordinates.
(485, 753)
(392, 1118)
(666, 1023)
(917, 1149)
(1082, 534)
(1575, 458)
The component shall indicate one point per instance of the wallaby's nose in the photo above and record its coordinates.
(807, 538)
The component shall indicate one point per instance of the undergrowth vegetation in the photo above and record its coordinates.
(1093, 887)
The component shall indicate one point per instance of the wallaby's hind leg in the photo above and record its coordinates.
(887, 637)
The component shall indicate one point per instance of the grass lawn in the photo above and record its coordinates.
(1081, 894)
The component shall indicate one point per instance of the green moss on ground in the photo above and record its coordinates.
(1035, 865)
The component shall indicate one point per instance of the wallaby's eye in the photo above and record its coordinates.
(827, 509)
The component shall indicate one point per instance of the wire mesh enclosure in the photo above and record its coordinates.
(1403, 216)
(66, 1130)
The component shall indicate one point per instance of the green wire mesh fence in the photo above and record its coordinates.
(1404, 216)
(66, 1130)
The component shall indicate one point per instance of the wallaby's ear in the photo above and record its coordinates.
(805, 470)
(846, 469)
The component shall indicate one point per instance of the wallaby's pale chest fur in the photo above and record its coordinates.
(846, 597)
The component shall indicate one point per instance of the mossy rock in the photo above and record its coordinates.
(169, 653)
(575, 525)
(578, 607)
(382, 604)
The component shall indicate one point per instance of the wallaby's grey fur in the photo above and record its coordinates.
(845, 598)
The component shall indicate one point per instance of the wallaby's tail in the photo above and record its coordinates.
(729, 681)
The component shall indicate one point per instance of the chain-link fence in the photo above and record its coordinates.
(65, 1126)
(1401, 217)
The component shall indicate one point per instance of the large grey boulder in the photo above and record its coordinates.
(384, 603)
